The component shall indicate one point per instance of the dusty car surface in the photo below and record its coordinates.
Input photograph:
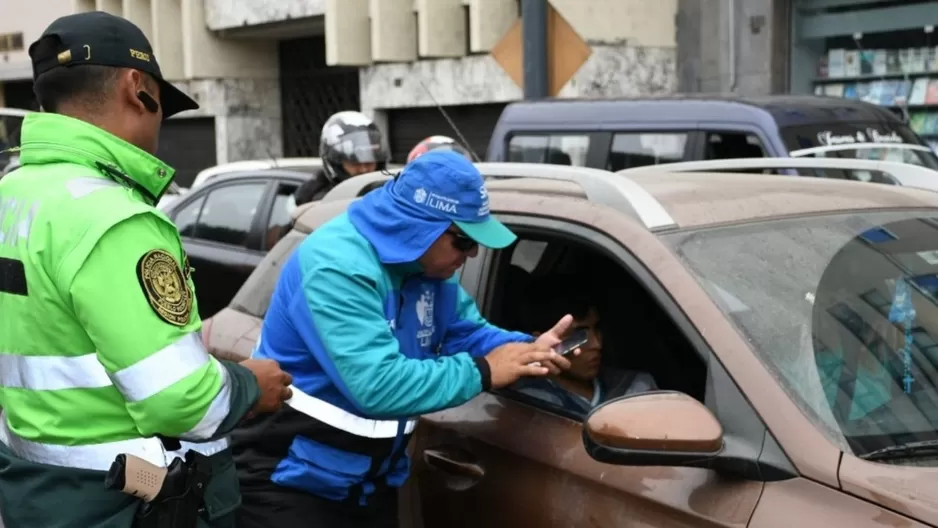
(790, 325)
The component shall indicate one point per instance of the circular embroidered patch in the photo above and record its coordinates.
(167, 291)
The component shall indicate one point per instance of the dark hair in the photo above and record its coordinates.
(549, 298)
(88, 85)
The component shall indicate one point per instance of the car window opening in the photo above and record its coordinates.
(541, 277)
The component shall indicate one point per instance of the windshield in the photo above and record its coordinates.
(841, 309)
(802, 137)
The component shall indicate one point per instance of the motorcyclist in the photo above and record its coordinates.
(437, 142)
(351, 144)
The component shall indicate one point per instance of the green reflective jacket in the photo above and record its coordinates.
(100, 348)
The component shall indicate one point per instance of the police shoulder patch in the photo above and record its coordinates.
(165, 287)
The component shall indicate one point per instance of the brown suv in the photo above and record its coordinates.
(790, 325)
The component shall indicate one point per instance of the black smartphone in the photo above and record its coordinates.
(577, 339)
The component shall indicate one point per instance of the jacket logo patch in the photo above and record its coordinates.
(424, 308)
(165, 287)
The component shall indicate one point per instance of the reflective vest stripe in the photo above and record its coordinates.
(99, 457)
(144, 379)
(139, 381)
(47, 373)
(217, 410)
(161, 369)
(341, 419)
(80, 187)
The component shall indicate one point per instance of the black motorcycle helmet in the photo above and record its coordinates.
(350, 137)
(437, 142)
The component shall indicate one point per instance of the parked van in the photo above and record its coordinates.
(616, 134)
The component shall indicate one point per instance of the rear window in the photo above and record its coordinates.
(254, 296)
(821, 135)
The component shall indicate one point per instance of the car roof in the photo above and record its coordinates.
(666, 201)
(695, 200)
(251, 174)
(257, 165)
(784, 110)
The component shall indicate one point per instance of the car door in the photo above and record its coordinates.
(500, 461)
(219, 225)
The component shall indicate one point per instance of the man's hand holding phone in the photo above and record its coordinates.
(554, 340)
(544, 356)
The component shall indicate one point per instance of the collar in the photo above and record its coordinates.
(54, 138)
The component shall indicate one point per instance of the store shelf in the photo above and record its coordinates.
(874, 77)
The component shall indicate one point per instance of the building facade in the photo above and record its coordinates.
(418, 55)
(234, 81)
(269, 72)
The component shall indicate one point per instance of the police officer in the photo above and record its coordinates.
(100, 349)
(350, 144)
(437, 143)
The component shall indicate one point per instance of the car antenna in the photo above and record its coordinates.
(270, 154)
(462, 138)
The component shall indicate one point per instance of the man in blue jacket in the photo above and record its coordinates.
(372, 323)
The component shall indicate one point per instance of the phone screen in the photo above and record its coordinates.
(578, 338)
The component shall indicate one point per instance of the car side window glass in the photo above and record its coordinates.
(638, 149)
(229, 212)
(731, 145)
(632, 348)
(279, 222)
(555, 149)
(187, 217)
(254, 296)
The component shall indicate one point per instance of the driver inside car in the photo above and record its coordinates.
(588, 382)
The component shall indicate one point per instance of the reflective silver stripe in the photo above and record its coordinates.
(162, 369)
(206, 448)
(99, 457)
(137, 382)
(80, 187)
(217, 410)
(52, 372)
(339, 418)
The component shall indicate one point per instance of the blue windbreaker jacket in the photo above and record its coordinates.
(374, 344)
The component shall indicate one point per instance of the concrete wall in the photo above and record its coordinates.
(248, 122)
(634, 52)
(31, 20)
(230, 14)
(759, 32)
(235, 81)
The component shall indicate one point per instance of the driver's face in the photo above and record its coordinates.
(356, 169)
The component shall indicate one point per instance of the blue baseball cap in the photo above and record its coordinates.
(443, 184)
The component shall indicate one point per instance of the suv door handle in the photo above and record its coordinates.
(454, 462)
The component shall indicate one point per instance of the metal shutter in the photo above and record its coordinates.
(188, 145)
(310, 92)
(407, 126)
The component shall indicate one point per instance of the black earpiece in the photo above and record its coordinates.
(148, 102)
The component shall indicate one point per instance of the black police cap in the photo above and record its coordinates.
(102, 39)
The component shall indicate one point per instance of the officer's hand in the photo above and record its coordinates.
(273, 382)
(511, 361)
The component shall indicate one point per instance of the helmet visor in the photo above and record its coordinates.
(361, 146)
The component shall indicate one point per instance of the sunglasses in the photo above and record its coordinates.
(461, 242)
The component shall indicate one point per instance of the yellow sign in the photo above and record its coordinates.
(566, 52)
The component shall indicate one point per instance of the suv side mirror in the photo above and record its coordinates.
(662, 428)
